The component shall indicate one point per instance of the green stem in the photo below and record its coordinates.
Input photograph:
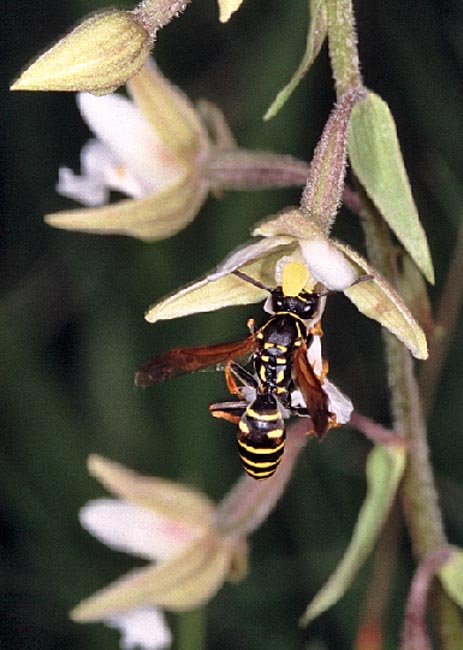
(420, 502)
(191, 630)
(342, 42)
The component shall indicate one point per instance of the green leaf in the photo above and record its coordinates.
(451, 576)
(377, 161)
(315, 38)
(385, 468)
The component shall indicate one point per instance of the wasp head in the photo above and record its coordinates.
(304, 305)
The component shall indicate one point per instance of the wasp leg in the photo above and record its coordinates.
(251, 323)
(231, 411)
(234, 371)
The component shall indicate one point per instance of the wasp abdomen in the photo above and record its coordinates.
(261, 437)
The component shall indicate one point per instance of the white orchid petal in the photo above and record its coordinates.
(100, 172)
(119, 124)
(327, 264)
(338, 403)
(143, 628)
(314, 355)
(97, 160)
(249, 253)
(88, 190)
(133, 529)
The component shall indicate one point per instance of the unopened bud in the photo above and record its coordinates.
(227, 8)
(98, 56)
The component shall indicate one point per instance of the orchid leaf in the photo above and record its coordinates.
(315, 38)
(385, 468)
(377, 161)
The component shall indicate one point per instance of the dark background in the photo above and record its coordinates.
(72, 327)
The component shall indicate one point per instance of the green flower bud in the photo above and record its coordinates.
(98, 56)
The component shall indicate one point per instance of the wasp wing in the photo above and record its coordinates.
(182, 360)
(315, 397)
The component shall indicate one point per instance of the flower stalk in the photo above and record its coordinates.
(420, 501)
(419, 496)
(342, 38)
(155, 14)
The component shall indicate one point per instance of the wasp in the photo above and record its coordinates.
(279, 354)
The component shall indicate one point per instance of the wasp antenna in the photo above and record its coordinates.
(248, 278)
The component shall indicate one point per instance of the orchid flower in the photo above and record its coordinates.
(303, 233)
(335, 265)
(158, 149)
(193, 546)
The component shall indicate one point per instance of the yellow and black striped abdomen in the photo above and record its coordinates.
(261, 437)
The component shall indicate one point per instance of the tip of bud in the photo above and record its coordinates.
(227, 8)
(98, 56)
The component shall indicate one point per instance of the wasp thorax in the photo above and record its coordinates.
(304, 305)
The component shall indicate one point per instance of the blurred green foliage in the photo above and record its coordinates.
(72, 328)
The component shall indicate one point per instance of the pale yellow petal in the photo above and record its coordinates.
(171, 500)
(97, 56)
(290, 222)
(156, 216)
(227, 8)
(169, 111)
(216, 124)
(189, 579)
(220, 291)
(378, 300)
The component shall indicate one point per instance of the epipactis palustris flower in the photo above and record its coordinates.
(166, 155)
(291, 235)
(192, 545)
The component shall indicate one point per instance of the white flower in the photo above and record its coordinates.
(164, 154)
(141, 628)
(127, 156)
(150, 148)
(193, 546)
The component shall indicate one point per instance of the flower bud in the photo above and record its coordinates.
(227, 8)
(98, 56)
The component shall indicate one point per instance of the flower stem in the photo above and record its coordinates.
(191, 630)
(420, 501)
(446, 319)
(154, 14)
(342, 42)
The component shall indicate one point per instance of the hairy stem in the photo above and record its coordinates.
(447, 314)
(154, 14)
(420, 502)
(342, 42)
